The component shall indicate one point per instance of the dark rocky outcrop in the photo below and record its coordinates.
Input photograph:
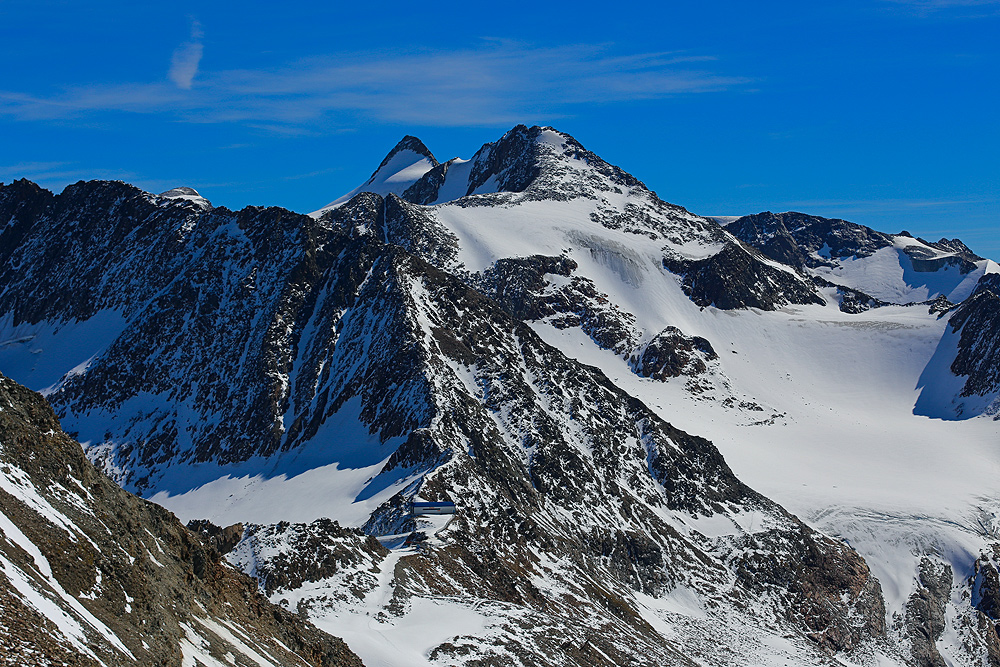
(513, 164)
(855, 301)
(411, 228)
(801, 240)
(671, 354)
(809, 575)
(221, 539)
(925, 612)
(957, 254)
(300, 553)
(426, 189)
(986, 588)
(734, 278)
(953, 245)
(519, 286)
(797, 239)
(768, 233)
(977, 321)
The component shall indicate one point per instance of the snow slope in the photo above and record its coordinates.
(890, 274)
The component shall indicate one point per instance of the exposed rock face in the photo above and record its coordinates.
(284, 556)
(977, 320)
(855, 301)
(953, 245)
(672, 354)
(939, 306)
(925, 612)
(733, 278)
(412, 228)
(520, 286)
(61, 274)
(978, 626)
(221, 539)
(986, 595)
(425, 190)
(93, 575)
(809, 575)
(513, 164)
(804, 241)
(796, 238)
(928, 261)
(768, 233)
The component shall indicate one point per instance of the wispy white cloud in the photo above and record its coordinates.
(950, 8)
(497, 84)
(76, 101)
(29, 169)
(186, 58)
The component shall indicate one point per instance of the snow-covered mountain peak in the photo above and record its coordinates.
(187, 194)
(408, 144)
(403, 166)
(539, 161)
(551, 191)
(182, 191)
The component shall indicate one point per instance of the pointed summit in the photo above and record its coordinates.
(411, 144)
(405, 164)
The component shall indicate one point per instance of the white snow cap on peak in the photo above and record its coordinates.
(402, 167)
(188, 194)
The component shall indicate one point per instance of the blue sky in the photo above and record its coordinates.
(882, 112)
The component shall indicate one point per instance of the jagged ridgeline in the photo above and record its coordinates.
(308, 376)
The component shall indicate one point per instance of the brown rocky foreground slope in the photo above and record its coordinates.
(90, 574)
